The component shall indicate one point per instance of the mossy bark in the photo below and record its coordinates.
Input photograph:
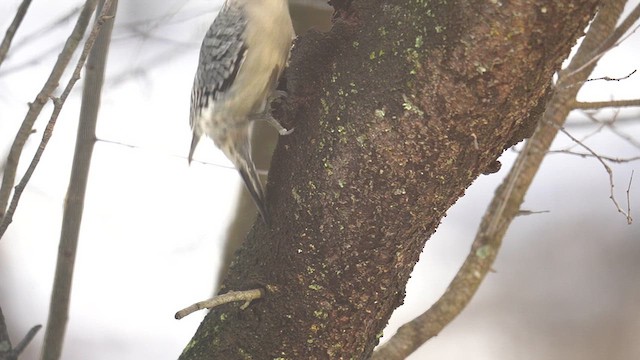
(396, 111)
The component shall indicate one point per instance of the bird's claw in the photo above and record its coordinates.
(278, 95)
(281, 129)
(284, 131)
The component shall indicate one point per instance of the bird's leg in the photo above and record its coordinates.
(271, 120)
(276, 95)
(266, 115)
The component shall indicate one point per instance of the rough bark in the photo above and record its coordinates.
(305, 15)
(397, 110)
(508, 198)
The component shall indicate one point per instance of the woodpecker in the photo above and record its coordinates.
(241, 59)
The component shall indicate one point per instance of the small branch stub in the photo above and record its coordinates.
(26, 340)
(232, 296)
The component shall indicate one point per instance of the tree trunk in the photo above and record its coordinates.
(396, 111)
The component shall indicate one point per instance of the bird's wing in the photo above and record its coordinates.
(222, 53)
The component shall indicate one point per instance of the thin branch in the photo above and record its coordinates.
(5, 341)
(74, 203)
(604, 104)
(601, 125)
(623, 136)
(530, 212)
(613, 40)
(46, 29)
(26, 340)
(13, 28)
(609, 172)
(588, 155)
(232, 296)
(607, 78)
(505, 205)
(36, 106)
(629, 194)
(622, 120)
(57, 107)
(39, 34)
(611, 125)
(36, 58)
(7, 352)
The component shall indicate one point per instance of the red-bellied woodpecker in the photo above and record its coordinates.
(242, 57)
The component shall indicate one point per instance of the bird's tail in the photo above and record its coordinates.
(237, 147)
(194, 144)
(252, 181)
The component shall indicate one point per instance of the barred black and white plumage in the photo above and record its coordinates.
(241, 58)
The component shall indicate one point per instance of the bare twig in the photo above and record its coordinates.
(626, 137)
(506, 203)
(603, 157)
(26, 340)
(37, 57)
(36, 106)
(629, 194)
(5, 341)
(74, 203)
(46, 29)
(232, 296)
(611, 125)
(57, 107)
(6, 350)
(607, 78)
(601, 125)
(607, 44)
(609, 172)
(11, 31)
(41, 53)
(530, 212)
(622, 120)
(603, 104)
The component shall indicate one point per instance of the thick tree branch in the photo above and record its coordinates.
(397, 110)
(504, 207)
